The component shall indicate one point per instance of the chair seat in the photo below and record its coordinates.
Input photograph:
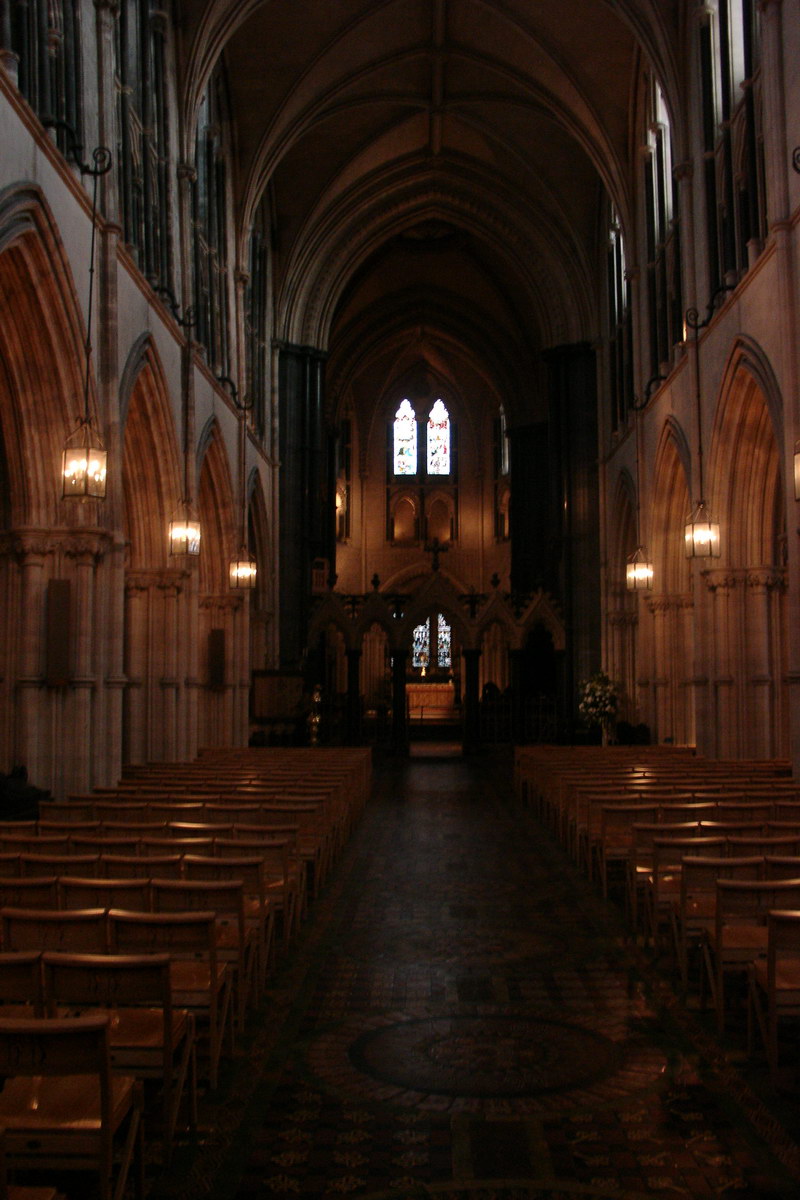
(745, 940)
(48, 1107)
(193, 979)
(787, 979)
(132, 1029)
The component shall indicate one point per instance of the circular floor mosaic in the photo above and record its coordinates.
(493, 1063)
(500, 1056)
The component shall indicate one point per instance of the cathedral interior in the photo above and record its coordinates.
(382, 373)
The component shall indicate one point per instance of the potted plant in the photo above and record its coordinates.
(598, 704)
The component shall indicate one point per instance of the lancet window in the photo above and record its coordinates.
(142, 158)
(210, 221)
(45, 36)
(664, 283)
(256, 316)
(734, 174)
(431, 645)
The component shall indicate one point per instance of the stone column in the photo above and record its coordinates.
(763, 675)
(399, 719)
(170, 588)
(134, 737)
(472, 731)
(79, 726)
(32, 745)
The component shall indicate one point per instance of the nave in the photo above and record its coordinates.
(464, 1016)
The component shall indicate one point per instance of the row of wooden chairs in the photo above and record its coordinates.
(150, 1037)
(200, 976)
(709, 860)
(269, 863)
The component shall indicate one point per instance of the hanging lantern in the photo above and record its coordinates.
(83, 465)
(184, 532)
(243, 570)
(639, 571)
(701, 534)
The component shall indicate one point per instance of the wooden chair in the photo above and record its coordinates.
(283, 867)
(59, 864)
(774, 984)
(739, 934)
(199, 981)
(142, 865)
(237, 943)
(694, 909)
(148, 1037)
(9, 863)
(36, 929)
(75, 892)
(36, 892)
(259, 911)
(21, 984)
(15, 1191)
(61, 1106)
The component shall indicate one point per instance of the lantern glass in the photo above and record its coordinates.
(243, 571)
(83, 465)
(701, 534)
(184, 533)
(639, 572)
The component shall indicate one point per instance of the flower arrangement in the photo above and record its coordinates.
(598, 700)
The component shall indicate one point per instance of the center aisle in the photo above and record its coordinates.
(462, 1017)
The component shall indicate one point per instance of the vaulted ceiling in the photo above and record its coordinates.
(437, 169)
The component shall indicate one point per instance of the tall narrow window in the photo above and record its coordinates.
(620, 327)
(256, 316)
(421, 645)
(45, 36)
(210, 221)
(143, 146)
(439, 440)
(444, 654)
(405, 440)
(664, 283)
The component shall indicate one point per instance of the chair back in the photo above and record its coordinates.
(37, 929)
(77, 892)
(21, 980)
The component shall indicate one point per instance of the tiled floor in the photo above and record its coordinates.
(464, 1017)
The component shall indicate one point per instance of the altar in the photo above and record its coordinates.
(433, 700)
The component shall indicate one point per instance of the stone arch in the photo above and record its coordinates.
(671, 504)
(747, 598)
(151, 472)
(260, 543)
(217, 511)
(746, 460)
(41, 353)
(224, 616)
(665, 646)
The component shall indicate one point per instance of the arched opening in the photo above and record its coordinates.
(157, 592)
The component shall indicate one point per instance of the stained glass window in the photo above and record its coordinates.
(421, 645)
(444, 654)
(405, 440)
(439, 440)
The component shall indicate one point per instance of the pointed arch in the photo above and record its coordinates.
(671, 504)
(41, 353)
(150, 459)
(746, 459)
(217, 512)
